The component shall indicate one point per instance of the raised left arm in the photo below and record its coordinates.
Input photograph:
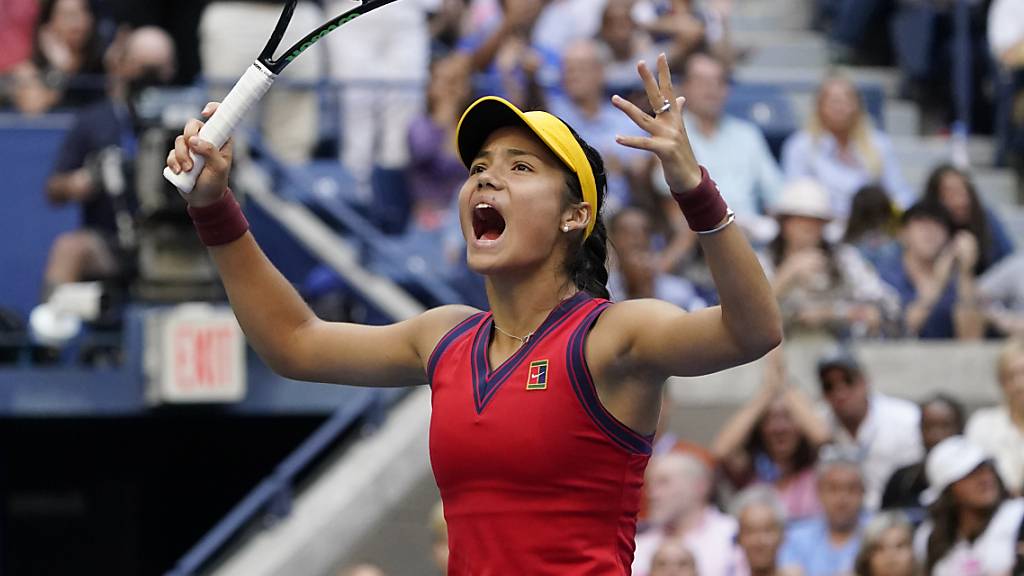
(747, 324)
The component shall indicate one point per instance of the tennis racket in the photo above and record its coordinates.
(257, 80)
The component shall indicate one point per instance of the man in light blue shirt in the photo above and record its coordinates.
(827, 545)
(732, 149)
(592, 116)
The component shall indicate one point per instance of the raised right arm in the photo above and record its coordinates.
(278, 323)
(296, 344)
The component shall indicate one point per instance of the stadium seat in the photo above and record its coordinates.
(768, 107)
(329, 179)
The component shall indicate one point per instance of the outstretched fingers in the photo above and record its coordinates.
(638, 116)
(638, 142)
(665, 88)
(650, 84)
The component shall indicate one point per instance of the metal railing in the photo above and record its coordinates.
(272, 498)
(370, 237)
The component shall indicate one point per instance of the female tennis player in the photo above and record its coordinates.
(544, 407)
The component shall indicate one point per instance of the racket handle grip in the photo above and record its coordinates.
(246, 92)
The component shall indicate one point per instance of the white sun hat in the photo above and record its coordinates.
(950, 461)
(804, 197)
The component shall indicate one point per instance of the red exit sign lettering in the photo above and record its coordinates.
(202, 356)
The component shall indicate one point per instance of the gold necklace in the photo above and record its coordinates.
(522, 340)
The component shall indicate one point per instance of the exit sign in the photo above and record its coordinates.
(202, 355)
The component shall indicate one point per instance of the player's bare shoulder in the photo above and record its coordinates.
(619, 325)
(629, 314)
(431, 326)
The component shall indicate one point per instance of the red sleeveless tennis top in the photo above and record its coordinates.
(537, 478)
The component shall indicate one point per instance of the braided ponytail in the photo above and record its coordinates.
(586, 263)
(589, 270)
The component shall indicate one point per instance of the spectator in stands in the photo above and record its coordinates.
(447, 24)
(687, 26)
(634, 272)
(673, 559)
(382, 63)
(873, 224)
(678, 487)
(999, 430)
(773, 440)
(622, 44)
(762, 522)
(927, 49)
(439, 539)
(973, 527)
(552, 33)
(951, 187)
(730, 146)
(1006, 43)
(887, 548)
(1001, 291)
(506, 59)
(840, 148)
(941, 417)
(66, 68)
(290, 115)
(826, 545)
(934, 276)
(592, 116)
(17, 25)
(92, 250)
(883, 429)
(435, 171)
(821, 286)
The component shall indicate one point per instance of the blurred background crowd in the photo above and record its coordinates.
(884, 206)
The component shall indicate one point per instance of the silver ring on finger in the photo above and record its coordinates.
(666, 105)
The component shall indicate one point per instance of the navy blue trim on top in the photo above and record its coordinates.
(583, 385)
(486, 382)
(442, 345)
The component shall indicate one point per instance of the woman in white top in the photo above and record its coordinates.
(999, 430)
(840, 148)
(973, 524)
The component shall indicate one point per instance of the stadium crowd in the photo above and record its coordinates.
(864, 483)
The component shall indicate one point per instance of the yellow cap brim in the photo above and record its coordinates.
(490, 113)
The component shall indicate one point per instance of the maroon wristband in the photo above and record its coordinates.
(703, 206)
(221, 222)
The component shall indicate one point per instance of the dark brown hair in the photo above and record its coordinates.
(586, 265)
(977, 222)
(945, 523)
(870, 210)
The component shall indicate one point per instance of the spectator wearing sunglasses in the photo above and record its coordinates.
(884, 429)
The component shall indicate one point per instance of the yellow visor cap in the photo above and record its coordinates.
(491, 112)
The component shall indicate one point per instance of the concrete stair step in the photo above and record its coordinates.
(793, 49)
(759, 15)
(902, 118)
(937, 149)
(808, 77)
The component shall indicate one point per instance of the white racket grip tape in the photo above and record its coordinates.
(246, 92)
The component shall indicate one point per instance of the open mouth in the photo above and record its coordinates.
(488, 223)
